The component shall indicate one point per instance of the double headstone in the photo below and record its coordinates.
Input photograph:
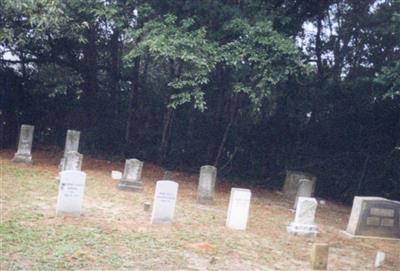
(70, 192)
(131, 179)
(164, 202)
(303, 223)
(238, 210)
(205, 189)
(23, 154)
(292, 182)
(71, 145)
(374, 217)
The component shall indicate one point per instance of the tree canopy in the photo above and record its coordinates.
(252, 87)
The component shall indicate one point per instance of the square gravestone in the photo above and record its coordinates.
(131, 179)
(71, 145)
(303, 223)
(292, 183)
(205, 189)
(164, 202)
(238, 210)
(23, 154)
(374, 217)
(70, 192)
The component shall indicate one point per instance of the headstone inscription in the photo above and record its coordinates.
(205, 189)
(70, 192)
(303, 223)
(238, 210)
(164, 202)
(374, 217)
(23, 154)
(131, 179)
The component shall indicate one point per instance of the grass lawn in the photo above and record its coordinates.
(115, 233)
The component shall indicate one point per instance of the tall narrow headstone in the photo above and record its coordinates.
(73, 161)
(131, 179)
(304, 189)
(23, 154)
(291, 184)
(238, 210)
(303, 223)
(379, 259)
(70, 192)
(205, 189)
(71, 145)
(164, 202)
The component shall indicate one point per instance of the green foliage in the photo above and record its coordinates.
(260, 57)
(190, 57)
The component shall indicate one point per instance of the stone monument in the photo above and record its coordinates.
(303, 223)
(291, 184)
(131, 179)
(23, 154)
(205, 189)
(164, 202)
(70, 192)
(374, 217)
(238, 210)
(71, 145)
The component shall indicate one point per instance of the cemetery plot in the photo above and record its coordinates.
(114, 232)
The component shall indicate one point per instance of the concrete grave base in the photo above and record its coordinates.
(351, 236)
(302, 230)
(130, 186)
(22, 158)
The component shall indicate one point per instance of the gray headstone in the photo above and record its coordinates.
(164, 202)
(291, 184)
(70, 192)
(73, 161)
(71, 145)
(72, 141)
(303, 223)
(374, 217)
(205, 189)
(23, 154)
(305, 189)
(238, 210)
(131, 179)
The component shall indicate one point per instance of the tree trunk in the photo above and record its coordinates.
(232, 118)
(115, 72)
(132, 100)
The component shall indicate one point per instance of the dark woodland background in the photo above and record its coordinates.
(252, 87)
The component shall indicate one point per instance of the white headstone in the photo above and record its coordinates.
(131, 179)
(205, 189)
(305, 189)
(379, 259)
(116, 175)
(164, 202)
(23, 154)
(70, 192)
(238, 210)
(303, 223)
